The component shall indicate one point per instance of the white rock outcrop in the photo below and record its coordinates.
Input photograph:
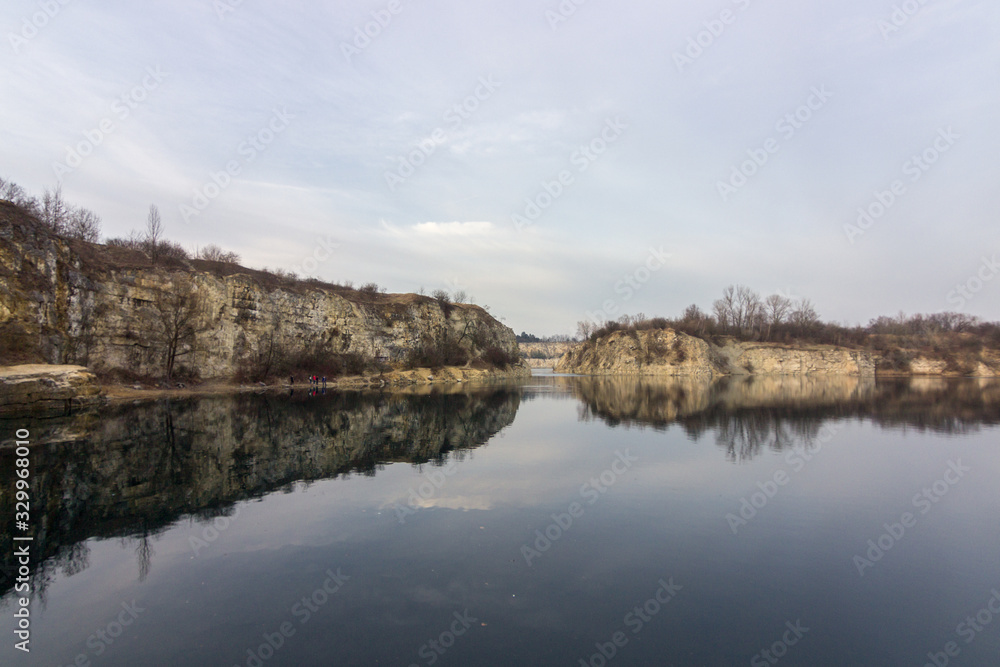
(41, 387)
(669, 352)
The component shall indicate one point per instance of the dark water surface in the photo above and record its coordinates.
(551, 521)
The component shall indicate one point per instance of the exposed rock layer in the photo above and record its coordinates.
(545, 354)
(669, 352)
(46, 387)
(69, 302)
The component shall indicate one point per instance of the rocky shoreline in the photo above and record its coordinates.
(47, 388)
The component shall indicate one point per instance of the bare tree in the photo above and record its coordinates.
(749, 310)
(85, 225)
(721, 314)
(14, 193)
(154, 231)
(804, 314)
(178, 312)
(776, 309)
(584, 328)
(725, 308)
(460, 296)
(693, 313)
(211, 252)
(10, 191)
(695, 318)
(740, 309)
(262, 356)
(54, 212)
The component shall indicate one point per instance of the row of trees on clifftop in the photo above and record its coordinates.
(53, 212)
(72, 222)
(740, 312)
(955, 338)
(151, 241)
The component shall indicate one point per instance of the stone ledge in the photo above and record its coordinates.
(45, 387)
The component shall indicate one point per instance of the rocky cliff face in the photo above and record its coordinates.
(775, 359)
(71, 302)
(668, 352)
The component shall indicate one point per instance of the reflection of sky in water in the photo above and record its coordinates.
(663, 518)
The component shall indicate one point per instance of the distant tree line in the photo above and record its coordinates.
(525, 337)
(740, 312)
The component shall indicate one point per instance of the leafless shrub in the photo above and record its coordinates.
(214, 253)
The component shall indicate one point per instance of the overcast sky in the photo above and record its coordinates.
(671, 148)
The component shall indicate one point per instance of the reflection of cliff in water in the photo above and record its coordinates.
(131, 470)
(751, 413)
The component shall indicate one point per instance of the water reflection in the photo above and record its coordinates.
(134, 474)
(750, 414)
(131, 470)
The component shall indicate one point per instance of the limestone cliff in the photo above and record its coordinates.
(669, 352)
(113, 310)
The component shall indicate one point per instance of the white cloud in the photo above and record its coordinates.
(454, 228)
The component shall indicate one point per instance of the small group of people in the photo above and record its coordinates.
(314, 380)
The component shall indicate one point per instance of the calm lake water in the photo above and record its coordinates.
(551, 521)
